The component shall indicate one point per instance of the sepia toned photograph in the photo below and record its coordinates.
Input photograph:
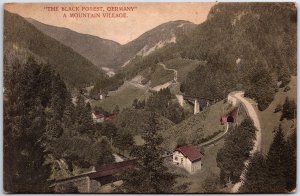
(150, 97)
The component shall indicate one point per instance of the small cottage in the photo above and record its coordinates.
(189, 157)
(97, 117)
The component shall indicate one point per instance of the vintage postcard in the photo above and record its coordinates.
(144, 97)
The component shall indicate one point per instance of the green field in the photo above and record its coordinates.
(123, 98)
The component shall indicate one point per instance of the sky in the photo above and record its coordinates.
(144, 16)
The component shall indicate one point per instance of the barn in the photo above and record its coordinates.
(189, 157)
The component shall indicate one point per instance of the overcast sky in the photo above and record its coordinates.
(145, 17)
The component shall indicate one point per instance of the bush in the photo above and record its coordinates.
(289, 109)
(287, 88)
(278, 108)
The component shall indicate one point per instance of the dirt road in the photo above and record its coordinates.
(239, 96)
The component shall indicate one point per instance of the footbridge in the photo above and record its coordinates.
(91, 181)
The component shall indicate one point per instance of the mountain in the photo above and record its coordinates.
(110, 54)
(100, 52)
(246, 46)
(154, 39)
(76, 70)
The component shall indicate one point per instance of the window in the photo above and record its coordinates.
(176, 158)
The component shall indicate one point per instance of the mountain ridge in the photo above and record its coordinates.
(81, 43)
(76, 70)
(109, 53)
(31, 20)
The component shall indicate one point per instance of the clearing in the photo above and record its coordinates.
(123, 97)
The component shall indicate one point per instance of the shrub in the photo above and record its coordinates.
(287, 88)
(289, 109)
(278, 108)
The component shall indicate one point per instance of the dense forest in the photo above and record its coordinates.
(41, 120)
(246, 46)
(275, 172)
(236, 150)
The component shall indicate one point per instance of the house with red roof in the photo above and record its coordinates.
(97, 117)
(189, 157)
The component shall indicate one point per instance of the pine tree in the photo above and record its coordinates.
(276, 164)
(101, 153)
(211, 183)
(289, 109)
(110, 131)
(24, 126)
(284, 75)
(149, 175)
(291, 161)
(83, 117)
(255, 177)
(124, 141)
(238, 144)
(69, 116)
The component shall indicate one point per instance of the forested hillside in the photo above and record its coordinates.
(73, 68)
(100, 52)
(40, 121)
(250, 44)
(247, 46)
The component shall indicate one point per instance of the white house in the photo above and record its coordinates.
(189, 157)
(97, 117)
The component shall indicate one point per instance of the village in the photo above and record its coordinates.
(188, 158)
(199, 99)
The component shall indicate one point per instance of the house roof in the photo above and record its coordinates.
(98, 114)
(191, 152)
(112, 169)
(106, 170)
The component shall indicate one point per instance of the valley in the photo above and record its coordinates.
(182, 108)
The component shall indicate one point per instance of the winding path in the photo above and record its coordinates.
(215, 139)
(174, 70)
(167, 84)
(239, 97)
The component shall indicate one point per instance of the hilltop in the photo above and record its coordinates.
(74, 69)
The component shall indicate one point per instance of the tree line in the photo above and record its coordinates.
(39, 120)
(276, 172)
